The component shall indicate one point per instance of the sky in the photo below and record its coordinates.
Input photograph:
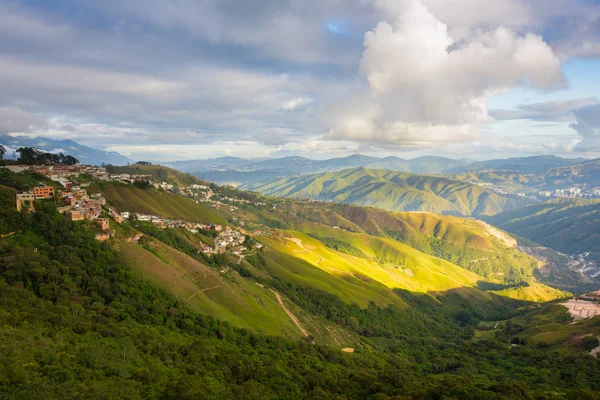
(167, 80)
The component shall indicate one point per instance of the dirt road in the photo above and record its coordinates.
(289, 313)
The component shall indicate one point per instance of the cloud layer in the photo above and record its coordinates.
(426, 88)
(290, 77)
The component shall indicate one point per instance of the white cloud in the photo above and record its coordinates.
(426, 88)
(15, 120)
(297, 103)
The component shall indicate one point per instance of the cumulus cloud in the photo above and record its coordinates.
(587, 126)
(424, 87)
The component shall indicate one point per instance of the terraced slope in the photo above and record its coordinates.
(391, 191)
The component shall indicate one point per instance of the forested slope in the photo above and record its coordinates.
(84, 319)
(570, 226)
(391, 191)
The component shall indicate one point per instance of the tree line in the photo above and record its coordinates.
(33, 156)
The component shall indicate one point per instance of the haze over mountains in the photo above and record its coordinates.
(85, 154)
(239, 170)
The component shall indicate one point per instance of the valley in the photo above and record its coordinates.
(349, 277)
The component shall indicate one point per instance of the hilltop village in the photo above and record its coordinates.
(75, 199)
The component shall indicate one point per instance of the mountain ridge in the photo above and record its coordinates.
(390, 190)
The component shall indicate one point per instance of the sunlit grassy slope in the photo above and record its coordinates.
(380, 252)
(396, 266)
(533, 291)
(225, 296)
(152, 201)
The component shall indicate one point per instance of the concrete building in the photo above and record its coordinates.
(103, 223)
(43, 192)
(76, 215)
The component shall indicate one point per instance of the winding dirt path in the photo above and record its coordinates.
(204, 290)
(289, 313)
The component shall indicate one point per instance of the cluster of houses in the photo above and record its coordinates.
(163, 222)
(78, 205)
(572, 192)
(74, 202)
(227, 240)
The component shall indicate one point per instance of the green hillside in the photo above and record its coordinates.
(569, 226)
(581, 173)
(392, 191)
(157, 173)
(156, 202)
(319, 312)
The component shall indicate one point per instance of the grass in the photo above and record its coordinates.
(156, 202)
(533, 291)
(405, 267)
(226, 296)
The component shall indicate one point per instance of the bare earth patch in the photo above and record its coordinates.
(582, 309)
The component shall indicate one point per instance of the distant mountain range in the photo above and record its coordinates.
(525, 165)
(391, 190)
(233, 170)
(86, 155)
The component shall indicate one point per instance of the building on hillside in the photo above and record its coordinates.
(92, 209)
(24, 197)
(43, 192)
(76, 215)
(69, 200)
(102, 237)
(103, 223)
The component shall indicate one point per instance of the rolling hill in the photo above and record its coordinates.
(391, 191)
(157, 173)
(156, 202)
(569, 226)
(243, 171)
(337, 292)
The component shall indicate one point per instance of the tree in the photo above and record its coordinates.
(2, 152)
(28, 155)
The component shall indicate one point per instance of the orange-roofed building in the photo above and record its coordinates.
(43, 192)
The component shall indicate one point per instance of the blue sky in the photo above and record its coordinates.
(185, 79)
